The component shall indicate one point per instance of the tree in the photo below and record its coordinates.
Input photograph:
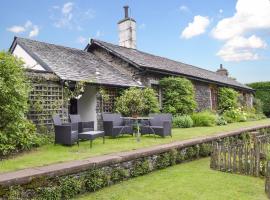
(16, 132)
(178, 95)
(136, 101)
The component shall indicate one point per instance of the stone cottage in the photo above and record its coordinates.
(109, 66)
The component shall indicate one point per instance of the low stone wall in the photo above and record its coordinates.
(65, 180)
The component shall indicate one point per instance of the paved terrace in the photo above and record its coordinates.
(26, 175)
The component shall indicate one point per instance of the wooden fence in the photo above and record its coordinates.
(247, 158)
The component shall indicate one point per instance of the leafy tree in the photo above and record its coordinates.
(136, 101)
(263, 93)
(179, 95)
(227, 99)
(16, 132)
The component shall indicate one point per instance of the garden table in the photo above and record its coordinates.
(135, 121)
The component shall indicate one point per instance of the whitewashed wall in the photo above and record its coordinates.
(28, 60)
(87, 105)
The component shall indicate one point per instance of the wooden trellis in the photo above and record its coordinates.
(46, 99)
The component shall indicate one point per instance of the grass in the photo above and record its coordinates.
(51, 153)
(193, 180)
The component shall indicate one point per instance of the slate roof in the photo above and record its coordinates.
(161, 64)
(73, 64)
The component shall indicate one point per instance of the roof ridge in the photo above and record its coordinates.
(162, 58)
(47, 43)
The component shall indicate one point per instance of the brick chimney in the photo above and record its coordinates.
(127, 31)
(222, 71)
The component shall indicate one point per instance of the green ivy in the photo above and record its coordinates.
(118, 174)
(70, 187)
(95, 179)
(140, 167)
(49, 193)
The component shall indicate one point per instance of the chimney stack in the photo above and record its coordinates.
(126, 11)
(222, 71)
(127, 31)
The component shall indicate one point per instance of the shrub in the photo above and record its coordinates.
(235, 115)
(262, 93)
(220, 121)
(163, 161)
(136, 101)
(118, 174)
(15, 192)
(16, 132)
(140, 167)
(258, 105)
(184, 121)
(178, 95)
(95, 179)
(227, 99)
(70, 186)
(205, 150)
(51, 192)
(205, 118)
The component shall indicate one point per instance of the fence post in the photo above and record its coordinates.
(267, 179)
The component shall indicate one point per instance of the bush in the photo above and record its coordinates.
(140, 167)
(16, 132)
(235, 115)
(118, 174)
(70, 187)
(262, 93)
(184, 121)
(227, 99)
(136, 101)
(178, 95)
(205, 118)
(95, 179)
(51, 192)
(220, 121)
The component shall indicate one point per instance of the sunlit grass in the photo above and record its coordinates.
(188, 181)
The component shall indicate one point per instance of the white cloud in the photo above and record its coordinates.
(27, 27)
(70, 16)
(67, 8)
(184, 8)
(34, 32)
(250, 16)
(81, 40)
(142, 26)
(197, 27)
(16, 29)
(240, 48)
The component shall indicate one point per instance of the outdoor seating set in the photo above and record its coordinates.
(75, 130)
(114, 125)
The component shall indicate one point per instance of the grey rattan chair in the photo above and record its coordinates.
(65, 133)
(114, 125)
(159, 124)
(82, 126)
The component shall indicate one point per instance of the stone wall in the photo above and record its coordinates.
(94, 173)
(202, 95)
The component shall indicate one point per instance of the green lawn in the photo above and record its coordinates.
(56, 153)
(193, 180)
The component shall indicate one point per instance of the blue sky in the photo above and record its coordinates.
(202, 33)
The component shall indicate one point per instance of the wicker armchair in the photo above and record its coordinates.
(82, 126)
(159, 124)
(65, 133)
(114, 125)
